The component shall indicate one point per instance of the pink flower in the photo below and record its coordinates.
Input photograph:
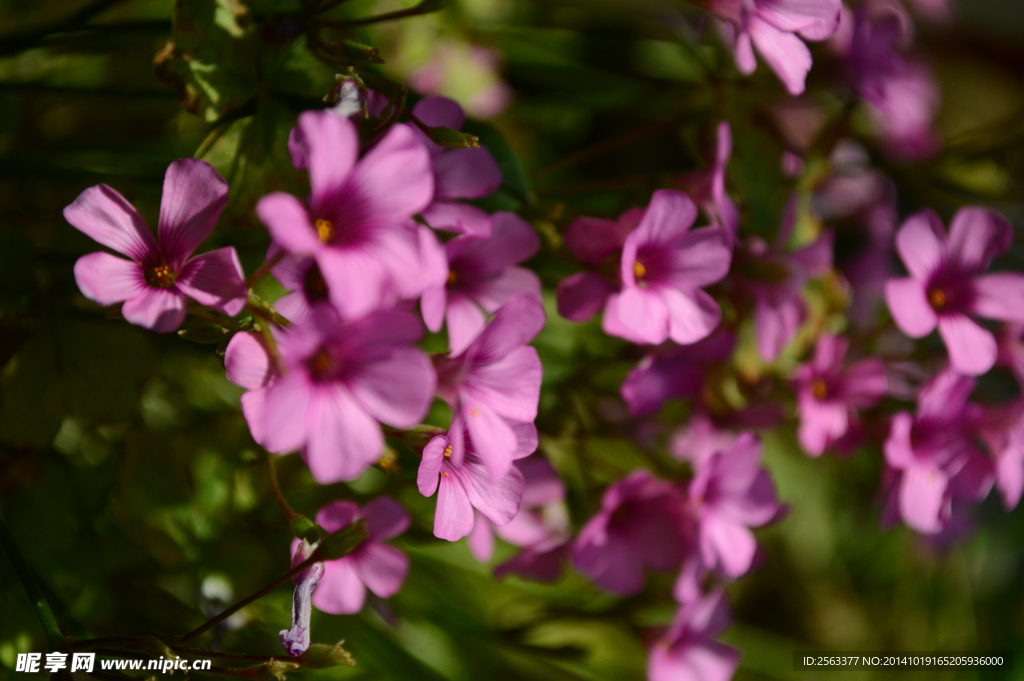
(707, 187)
(598, 244)
(773, 26)
(372, 565)
(776, 280)
(481, 278)
(664, 265)
(688, 651)
(902, 94)
(730, 494)
(946, 284)
(337, 380)
(829, 395)
(640, 526)
(1002, 430)
(154, 283)
(357, 226)
(699, 440)
(464, 486)
(458, 173)
(933, 454)
(676, 372)
(494, 387)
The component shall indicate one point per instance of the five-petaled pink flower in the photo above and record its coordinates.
(336, 381)
(481, 278)
(494, 387)
(772, 26)
(372, 565)
(464, 486)
(934, 456)
(640, 526)
(688, 651)
(829, 395)
(946, 284)
(358, 226)
(154, 283)
(664, 265)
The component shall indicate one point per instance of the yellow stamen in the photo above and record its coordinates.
(448, 450)
(324, 230)
(474, 412)
(444, 474)
(937, 299)
(819, 389)
(639, 271)
(160, 276)
(452, 277)
(321, 363)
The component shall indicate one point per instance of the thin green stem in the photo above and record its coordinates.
(276, 488)
(264, 269)
(424, 7)
(53, 634)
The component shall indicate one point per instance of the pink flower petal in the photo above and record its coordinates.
(247, 361)
(288, 222)
(356, 280)
(458, 217)
(106, 217)
(746, 62)
(510, 386)
(453, 517)
(515, 324)
(813, 19)
(194, 196)
(977, 235)
(397, 389)
(432, 305)
(921, 497)
(865, 383)
(283, 420)
(692, 315)
(342, 439)
(776, 323)
(158, 309)
(700, 258)
(639, 316)
(465, 322)
(436, 110)
(1000, 296)
(728, 545)
(465, 174)
(430, 465)
(252, 410)
(582, 295)
(385, 518)
(337, 515)
(785, 53)
(909, 306)
(327, 145)
(497, 499)
(215, 279)
(494, 293)
(669, 216)
(592, 240)
(921, 243)
(107, 279)
(493, 438)
(972, 349)
(340, 591)
(481, 539)
(382, 569)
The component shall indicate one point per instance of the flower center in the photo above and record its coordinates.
(819, 389)
(160, 276)
(937, 299)
(313, 285)
(322, 365)
(639, 271)
(453, 277)
(448, 450)
(324, 230)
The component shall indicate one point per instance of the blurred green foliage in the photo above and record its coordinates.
(128, 477)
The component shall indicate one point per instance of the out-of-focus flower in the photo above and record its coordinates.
(337, 380)
(699, 439)
(664, 265)
(467, 73)
(688, 651)
(829, 394)
(934, 455)
(1010, 349)
(776, 280)
(295, 641)
(372, 565)
(481, 277)
(730, 494)
(458, 173)
(903, 94)
(677, 372)
(947, 284)
(154, 283)
(773, 27)
(493, 387)
(357, 226)
(598, 244)
(707, 187)
(1002, 430)
(640, 526)
(463, 486)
